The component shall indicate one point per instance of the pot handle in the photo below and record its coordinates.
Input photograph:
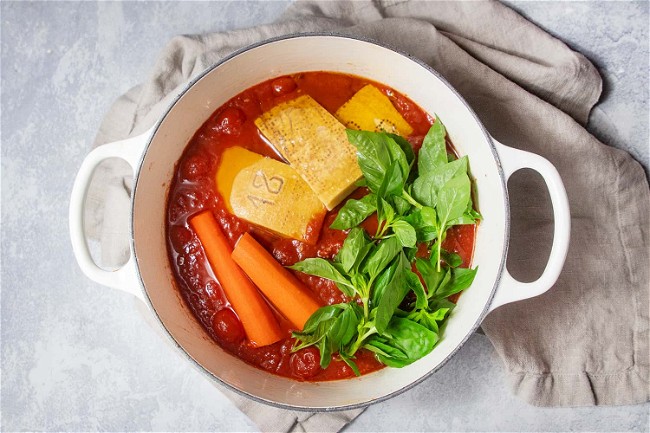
(126, 277)
(511, 290)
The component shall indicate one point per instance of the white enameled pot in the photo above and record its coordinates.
(153, 156)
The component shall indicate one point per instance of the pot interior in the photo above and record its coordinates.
(286, 56)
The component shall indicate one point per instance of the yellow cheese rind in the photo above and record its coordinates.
(371, 110)
(315, 145)
(268, 193)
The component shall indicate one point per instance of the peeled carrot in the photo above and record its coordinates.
(255, 314)
(278, 284)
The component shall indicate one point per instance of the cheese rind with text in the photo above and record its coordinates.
(269, 193)
(315, 144)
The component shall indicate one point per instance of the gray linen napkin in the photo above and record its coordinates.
(585, 342)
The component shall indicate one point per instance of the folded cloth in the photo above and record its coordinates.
(585, 342)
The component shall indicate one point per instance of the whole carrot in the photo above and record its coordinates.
(279, 286)
(256, 316)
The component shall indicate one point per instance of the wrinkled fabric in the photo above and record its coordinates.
(585, 341)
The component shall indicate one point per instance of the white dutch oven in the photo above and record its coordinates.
(153, 155)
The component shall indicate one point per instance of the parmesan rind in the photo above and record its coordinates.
(315, 144)
(268, 193)
(370, 110)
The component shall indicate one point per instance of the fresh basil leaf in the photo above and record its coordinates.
(385, 211)
(354, 249)
(420, 317)
(350, 363)
(474, 214)
(306, 339)
(398, 156)
(381, 283)
(411, 253)
(469, 217)
(353, 212)
(393, 181)
(433, 152)
(319, 316)
(318, 325)
(445, 280)
(373, 156)
(401, 205)
(382, 161)
(453, 260)
(464, 219)
(380, 346)
(353, 317)
(434, 258)
(381, 256)
(428, 215)
(329, 328)
(363, 254)
(460, 279)
(430, 319)
(343, 328)
(408, 337)
(325, 350)
(423, 221)
(359, 281)
(443, 174)
(406, 147)
(324, 269)
(436, 304)
(430, 274)
(416, 286)
(453, 198)
(404, 232)
(424, 192)
(401, 313)
(427, 187)
(393, 294)
(440, 314)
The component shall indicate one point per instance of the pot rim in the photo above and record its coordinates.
(506, 239)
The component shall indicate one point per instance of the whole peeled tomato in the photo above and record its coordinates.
(227, 326)
(305, 363)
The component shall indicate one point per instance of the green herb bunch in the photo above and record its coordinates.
(415, 204)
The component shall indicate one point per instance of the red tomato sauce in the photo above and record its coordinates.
(193, 190)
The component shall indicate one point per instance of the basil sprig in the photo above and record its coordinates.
(415, 203)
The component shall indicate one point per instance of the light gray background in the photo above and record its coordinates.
(78, 356)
